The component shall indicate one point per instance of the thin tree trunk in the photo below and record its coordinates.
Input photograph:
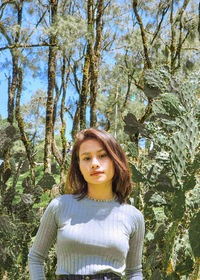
(94, 66)
(76, 121)
(51, 85)
(21, 128)
(173, 37)
(147, 65)
(63, 129)
(12, 85)
(83, 93)
(144, 39)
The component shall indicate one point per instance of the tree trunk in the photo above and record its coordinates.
(94, 65)
(63, 129)
(144, 39)
(84, 91)
(12, 85)
(21, 128)
(51, 85)
(76, 121)
(173, 37)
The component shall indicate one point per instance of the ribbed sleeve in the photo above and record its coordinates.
(91, 237)
(43, 241)
(134, 257)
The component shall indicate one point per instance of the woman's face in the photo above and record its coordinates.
(95, 165)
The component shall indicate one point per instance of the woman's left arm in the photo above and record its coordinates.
(134, 257)
(45, 237)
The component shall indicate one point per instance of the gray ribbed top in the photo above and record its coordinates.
(92, 237)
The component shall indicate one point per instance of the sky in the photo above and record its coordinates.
(31, 85)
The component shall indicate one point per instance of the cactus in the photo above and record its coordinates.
(194, 234)
(166, 174)
(171, 104)
(178, 154)
(189, 128)
(187, 93)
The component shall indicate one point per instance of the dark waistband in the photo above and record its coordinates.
(99, 276)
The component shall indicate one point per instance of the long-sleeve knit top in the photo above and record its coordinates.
(91, 237)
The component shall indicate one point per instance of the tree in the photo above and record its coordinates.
(51, 85)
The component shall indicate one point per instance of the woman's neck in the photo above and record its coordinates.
(99, 192)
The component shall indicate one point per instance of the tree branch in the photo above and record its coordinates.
(144, 39)
(13, 46)
(160, 23)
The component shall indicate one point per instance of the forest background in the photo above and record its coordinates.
(129, 67)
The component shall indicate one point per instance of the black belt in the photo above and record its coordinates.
(99, 276)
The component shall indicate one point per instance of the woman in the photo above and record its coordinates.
(99, 235)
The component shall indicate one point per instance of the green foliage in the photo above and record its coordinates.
(194, 233)
(136, 175)
(47, 181)
(167, 173)
(132, 125)
(178, 205)
(8, 135)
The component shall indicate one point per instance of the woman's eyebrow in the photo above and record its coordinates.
(87, 153)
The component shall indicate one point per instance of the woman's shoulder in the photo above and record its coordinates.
(132, 211)
(61, 200)
(134, 217)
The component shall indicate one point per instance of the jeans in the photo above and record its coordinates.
(99, 276)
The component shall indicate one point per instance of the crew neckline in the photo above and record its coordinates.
(93, 202)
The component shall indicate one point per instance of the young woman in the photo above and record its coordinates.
(99, 235)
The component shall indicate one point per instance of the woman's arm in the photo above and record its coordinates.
(43, 241)
(134, 257)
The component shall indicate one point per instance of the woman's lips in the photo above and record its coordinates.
(96, 173)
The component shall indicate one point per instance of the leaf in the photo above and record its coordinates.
(133, 149)
(164, 183)
(171, 104)
(27, 198)
(178, 205)
(47, 181)
(133, 126)
(194, 235)
(160, 232)
(185, 266)
(137, 176)
(151, 92)
(156, 275)
(189, 182)
(157, 200)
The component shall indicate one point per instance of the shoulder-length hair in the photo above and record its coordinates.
(121, 183)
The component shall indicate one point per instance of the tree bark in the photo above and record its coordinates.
(12, 84)
(51, 85)
(144, 39)
(24, 137)
(63, 129)
(94, 65)
(173, 37)
(84, 91)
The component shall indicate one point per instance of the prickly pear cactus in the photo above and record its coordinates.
(167, 175)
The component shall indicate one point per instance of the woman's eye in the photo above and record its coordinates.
(86, 158)
(103, 155)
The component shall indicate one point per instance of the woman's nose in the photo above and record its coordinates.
(95, 162)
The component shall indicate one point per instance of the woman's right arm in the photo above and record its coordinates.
(43, 241)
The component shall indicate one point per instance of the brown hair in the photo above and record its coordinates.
(121, 183)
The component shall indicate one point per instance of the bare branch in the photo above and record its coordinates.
(160, 23)
(16, 46)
